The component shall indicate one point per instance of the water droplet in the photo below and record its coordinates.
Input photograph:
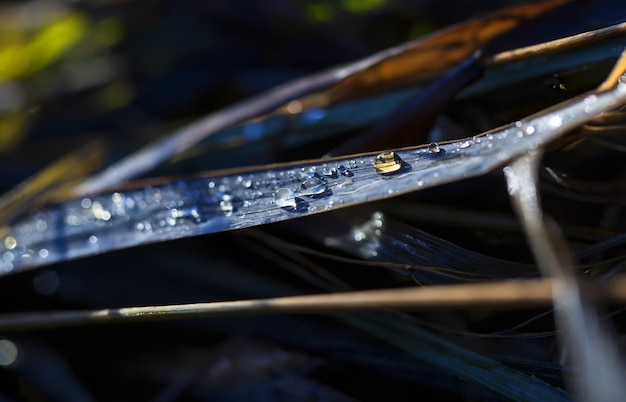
(588, 102)
(344, 171)
(555, 121)
(530, 130)
(144, 226)
(191, 213)
(519, 124)
(44, 253)
(387, 162)
(313, 186)
(99, 212)
(229, 205)
(85, 203)
(93, 239)
(465, 144)
(358, 235)
(129, 202)
(117, 197)
(41, 225)
(8, 256)
(8, 353)
(285, 198)
(149, 198)
(330, 172)
(307, 172)
(10, 243)
(433, 148)
(72, 220)
(247, 183)
(294, 107)
(478, 139)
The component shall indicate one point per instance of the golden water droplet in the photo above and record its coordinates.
(10, 242)
(387, 162)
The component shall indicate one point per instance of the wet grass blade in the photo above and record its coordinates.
(154, 211)
(425, 58)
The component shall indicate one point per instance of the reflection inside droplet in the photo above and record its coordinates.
(433, 148)
(10, 242)
(285, 198)
(229, 205)
(99, 212)
(387, 162)
(330, 172)
(358, 234)
(313, 186)
(555, 121)
(344, 171)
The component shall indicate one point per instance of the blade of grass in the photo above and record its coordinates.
(494, 295)
(467, 365)
(431, 56)
(167, 208)
(598, 371)
(53, 180)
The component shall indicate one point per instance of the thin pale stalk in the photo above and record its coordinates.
(505, 295)
(598, 370)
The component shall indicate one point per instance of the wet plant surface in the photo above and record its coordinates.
(229, 152)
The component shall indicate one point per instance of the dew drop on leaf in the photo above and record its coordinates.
(433, 148)
(313, 186)
(285, 198)
(387, 162)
